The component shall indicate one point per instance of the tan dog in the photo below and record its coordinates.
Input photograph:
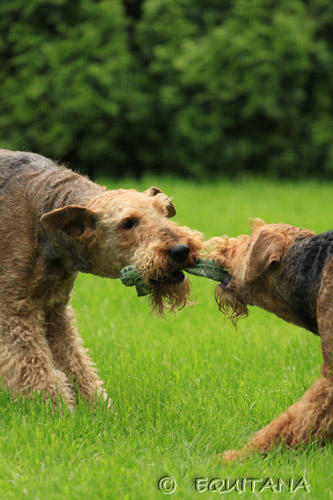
(289, 272)
(55, 223)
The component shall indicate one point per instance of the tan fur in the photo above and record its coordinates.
(55, 223)
(254, 263)
(166, 296)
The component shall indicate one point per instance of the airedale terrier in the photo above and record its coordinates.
(55, 223)
(287, 271)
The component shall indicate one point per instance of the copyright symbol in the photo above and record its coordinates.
(167, 485)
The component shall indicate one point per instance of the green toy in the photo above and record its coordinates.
(207, 269)
(131, 276)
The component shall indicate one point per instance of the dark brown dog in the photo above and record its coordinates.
(55, 223)
(289, 272)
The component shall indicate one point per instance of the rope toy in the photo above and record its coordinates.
(132, 276)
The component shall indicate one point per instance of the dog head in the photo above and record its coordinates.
(251, 262)
(123, 227)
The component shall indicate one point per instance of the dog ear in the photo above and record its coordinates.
(72, 220)
(153, 191)
(268, 248)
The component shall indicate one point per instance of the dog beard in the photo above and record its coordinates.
(229, 304)
(172, 297)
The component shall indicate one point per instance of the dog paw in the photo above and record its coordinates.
(108, 402)
(231, 456)
(103, 399)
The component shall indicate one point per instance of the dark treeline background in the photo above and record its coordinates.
(187, 87)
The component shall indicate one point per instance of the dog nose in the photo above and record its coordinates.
(179, 253)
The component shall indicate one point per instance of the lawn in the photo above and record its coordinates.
(185, 388)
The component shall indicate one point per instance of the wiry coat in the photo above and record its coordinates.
(287, 271)
(55, 223)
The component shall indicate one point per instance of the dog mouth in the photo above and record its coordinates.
(173, 278)
(225, 282)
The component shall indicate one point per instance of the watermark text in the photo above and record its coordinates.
(250, 485)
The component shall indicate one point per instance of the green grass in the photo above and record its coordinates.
(184, 389)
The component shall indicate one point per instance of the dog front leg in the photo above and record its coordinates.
(325, 321)
(69, 353)
(26, 363)
(309, 419)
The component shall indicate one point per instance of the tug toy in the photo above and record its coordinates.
(131, 276)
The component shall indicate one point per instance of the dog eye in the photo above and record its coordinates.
(128, 223)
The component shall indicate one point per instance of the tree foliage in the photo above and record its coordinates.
(67, 79)
(179, 86)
